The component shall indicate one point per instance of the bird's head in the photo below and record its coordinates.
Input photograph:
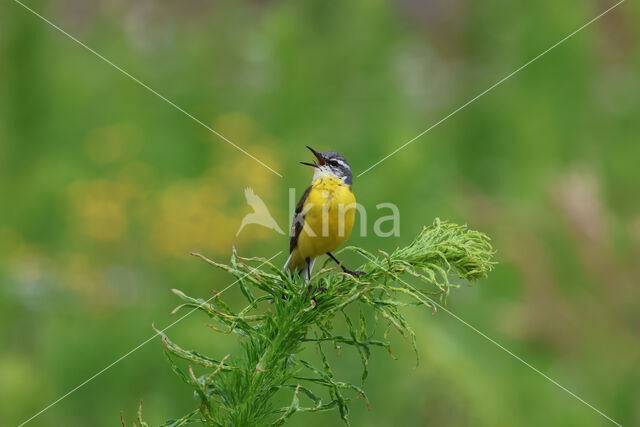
(331, 163)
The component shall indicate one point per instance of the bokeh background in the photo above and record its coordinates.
(105, 189)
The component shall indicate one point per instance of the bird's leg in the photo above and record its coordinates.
(308, 275)
(345, 269)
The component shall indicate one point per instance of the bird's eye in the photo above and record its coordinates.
(333, 163)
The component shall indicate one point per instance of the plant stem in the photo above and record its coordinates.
(241, 393)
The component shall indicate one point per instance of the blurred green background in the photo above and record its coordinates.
(105, 189)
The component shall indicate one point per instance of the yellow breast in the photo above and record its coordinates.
(329, 213)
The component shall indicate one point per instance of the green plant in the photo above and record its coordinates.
(284, 314)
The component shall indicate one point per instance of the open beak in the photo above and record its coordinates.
(318, 155)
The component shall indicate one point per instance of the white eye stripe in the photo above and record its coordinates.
(341, 163)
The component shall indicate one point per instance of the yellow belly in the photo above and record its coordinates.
(329, 214)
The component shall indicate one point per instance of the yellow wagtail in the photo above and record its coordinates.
(324, 216)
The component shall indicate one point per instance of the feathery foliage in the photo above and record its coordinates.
(284, 314)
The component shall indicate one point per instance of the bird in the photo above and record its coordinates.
(324, 216)
(260, 214)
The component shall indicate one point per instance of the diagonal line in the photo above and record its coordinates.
(491, 340)
(144, 85)
(133, 350)
(502, 80)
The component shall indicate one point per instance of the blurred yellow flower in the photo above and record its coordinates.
(202, 214)
(99, 207)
